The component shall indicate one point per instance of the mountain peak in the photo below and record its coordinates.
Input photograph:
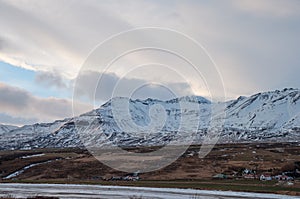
(191, 98)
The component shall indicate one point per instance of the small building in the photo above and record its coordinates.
(131, 178)
(116, 178)
(247, 171)
(265, 177)
(220, 176)
(283, 177)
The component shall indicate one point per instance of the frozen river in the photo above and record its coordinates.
(98, 191)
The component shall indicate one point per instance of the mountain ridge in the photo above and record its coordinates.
(265, 116)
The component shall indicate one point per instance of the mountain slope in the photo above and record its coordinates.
(6, 128)
(268, 116)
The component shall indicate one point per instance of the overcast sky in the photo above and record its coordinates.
(43, 45)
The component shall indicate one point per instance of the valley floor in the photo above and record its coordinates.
(226, 161)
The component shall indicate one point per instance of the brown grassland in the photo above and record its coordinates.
(188, 171)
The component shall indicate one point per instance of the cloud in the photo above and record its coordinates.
(18, 121)
(12, 98)
(18, 103)
(104, 86)
(38, 40)
(19, 106)
(51, 79)
(254, 43)
(1, 43)
(269, 8)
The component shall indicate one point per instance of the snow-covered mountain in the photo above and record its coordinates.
(6, 128)
(268, 116)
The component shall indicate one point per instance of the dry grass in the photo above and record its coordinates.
(189, 171)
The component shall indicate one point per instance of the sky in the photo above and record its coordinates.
(45, 46)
